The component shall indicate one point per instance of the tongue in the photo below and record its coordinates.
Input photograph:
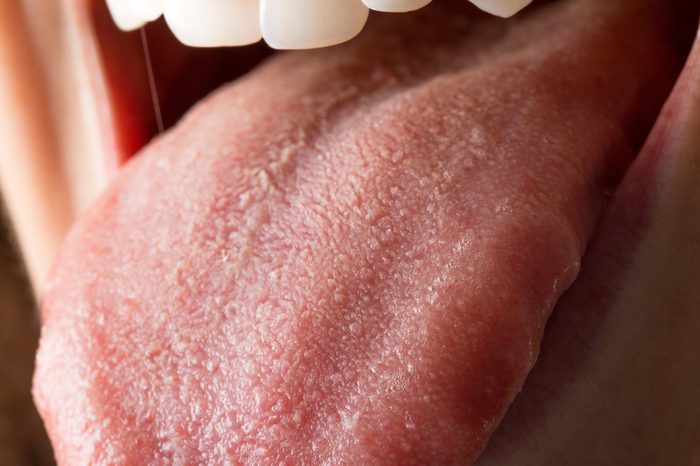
(350, 255)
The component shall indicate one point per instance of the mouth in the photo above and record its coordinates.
(352, 254)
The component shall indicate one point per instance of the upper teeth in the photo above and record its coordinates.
(284, 24)
(147, 10)
(124, 16)
(214, 23)
(503, 8)
(396, 6)
(305, 24)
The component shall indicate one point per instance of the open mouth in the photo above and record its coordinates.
(351, 254)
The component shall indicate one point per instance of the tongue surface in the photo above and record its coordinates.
(350, 255)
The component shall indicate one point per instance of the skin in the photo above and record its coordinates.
(664, 266)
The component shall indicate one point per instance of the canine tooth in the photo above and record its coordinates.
(502, 8)
(124, 17)
(395, 6)
(306, 24)
(214, 23)
(147, 10)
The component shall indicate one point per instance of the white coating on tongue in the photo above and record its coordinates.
(364, 270)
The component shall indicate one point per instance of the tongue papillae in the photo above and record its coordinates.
(350, 255)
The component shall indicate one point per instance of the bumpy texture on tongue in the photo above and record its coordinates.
(349, 256)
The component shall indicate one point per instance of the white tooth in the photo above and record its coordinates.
(307, 24)
(147, 10)
(502, 8)
(214, 23)
(395, 6)
(124, 16)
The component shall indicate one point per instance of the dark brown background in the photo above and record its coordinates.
(22, 438)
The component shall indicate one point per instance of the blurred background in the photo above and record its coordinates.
(23, 441)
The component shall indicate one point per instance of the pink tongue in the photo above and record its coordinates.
(349, 256)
